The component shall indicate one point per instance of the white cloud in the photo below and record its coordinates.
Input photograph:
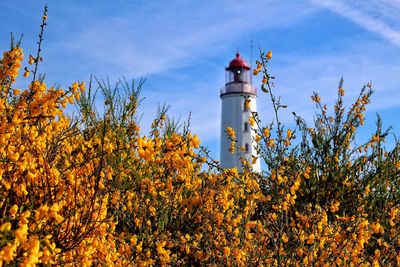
(164, 38)
(379, 16)
(171, 36)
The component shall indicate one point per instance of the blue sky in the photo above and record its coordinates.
(182, 47)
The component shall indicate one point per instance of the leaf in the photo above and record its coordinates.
(265, 90)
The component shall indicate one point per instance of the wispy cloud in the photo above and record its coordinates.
(379, 16)
(165, 38)
(149, 41)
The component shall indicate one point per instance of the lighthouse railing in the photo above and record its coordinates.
(236, 88)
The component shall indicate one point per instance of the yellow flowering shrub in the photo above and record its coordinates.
(330, 198)
(93, 190)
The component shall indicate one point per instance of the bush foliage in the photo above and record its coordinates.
(93, 190)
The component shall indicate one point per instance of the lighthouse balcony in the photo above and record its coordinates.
(238, 88)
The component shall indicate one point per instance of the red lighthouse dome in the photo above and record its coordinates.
(238, 63)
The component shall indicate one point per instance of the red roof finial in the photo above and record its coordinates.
(238, 63)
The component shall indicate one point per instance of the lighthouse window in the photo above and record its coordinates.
(246, 126)
(246, 147)
(238, 76)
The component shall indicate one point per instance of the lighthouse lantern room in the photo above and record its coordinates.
(237, 88)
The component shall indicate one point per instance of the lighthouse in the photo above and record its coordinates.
(235, 114)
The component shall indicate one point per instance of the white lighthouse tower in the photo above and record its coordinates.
(238, 87)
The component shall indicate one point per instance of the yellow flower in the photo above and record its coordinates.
(236, 231)
(299, 252)
(232, 147)
(31, 60)
(247, 104)
(271, 143)
(266, 132)
(289, 133)
(139, 247)
(133, 240)
(251, 120)
(152, 211)
(378, 229)
(393, 213)
(306, 173)
(269, 55)
(21, 233)
(367, 190)
(310, 239)
(287, 142)
(41, 212)
(335, 206)
(8, 252)
(195, 141)
(316, 98)
(265, 80)
(145, 148)
(5, 227)
(341, 91)
(230, 132)
(11, 63)
(82, 86)
(258, 69)
(13, 210)
(101, 185)
(227, 251)
(375, 138)
(160, 248)
(254, 159)
(285, 238)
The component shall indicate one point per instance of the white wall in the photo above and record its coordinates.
(234, 115)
